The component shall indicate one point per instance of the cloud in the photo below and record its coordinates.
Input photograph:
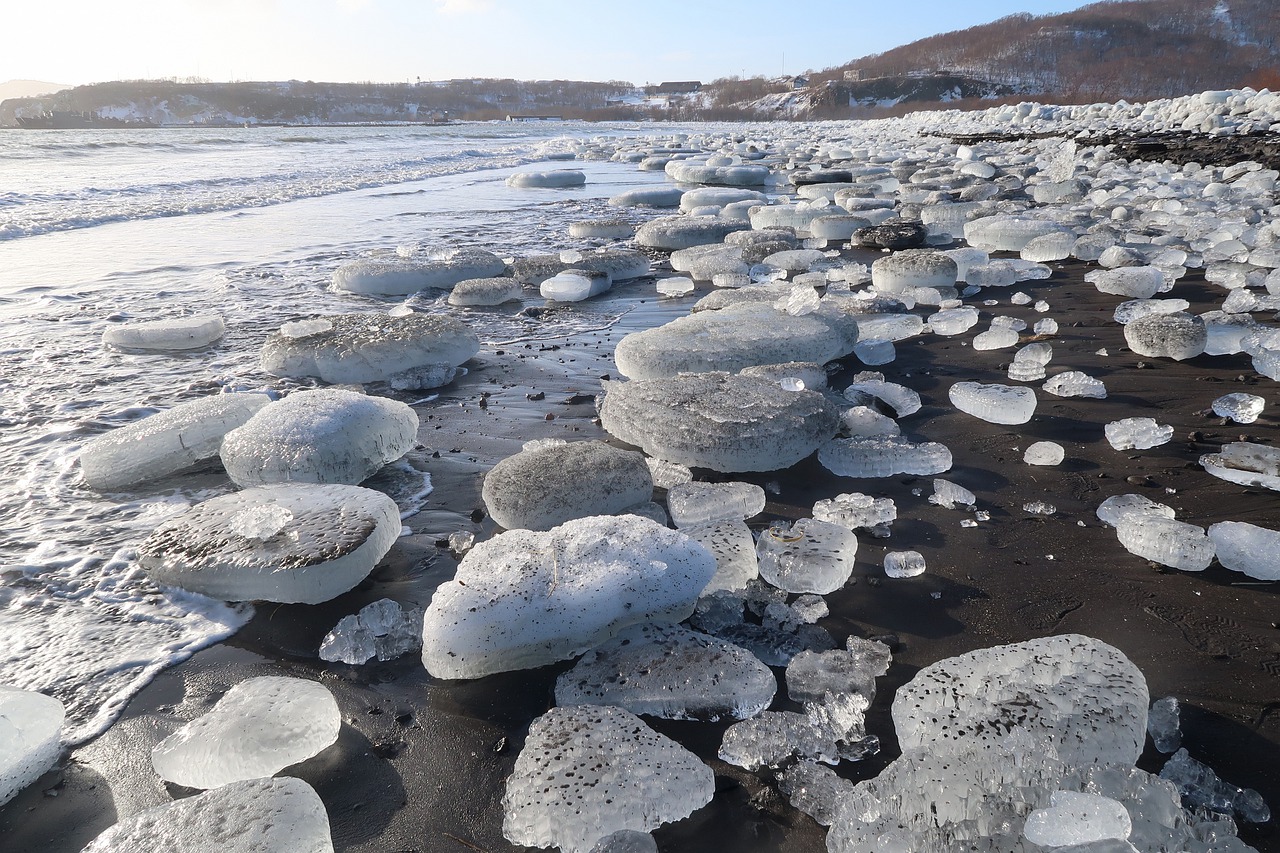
(463, 7)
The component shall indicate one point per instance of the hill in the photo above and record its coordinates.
(28, 88)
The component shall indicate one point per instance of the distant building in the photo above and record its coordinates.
(853, 75)
(799, 82)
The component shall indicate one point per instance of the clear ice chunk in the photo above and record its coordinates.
(997, 404)
(1116, 507)
(1201, 788)
(862, 421)
(696, 504)
(903, 564)
(1044, 453)
(857, 511)
(1246, 463)
(808, 556)
(180, 333)
(259, 727)
(1164, 724)
(664, 670)
(883, 456)
(575, 285)
(1165, 541)
(814, 789)
(1239, 407)
(667, 475)
(588, 771)
(1137, 434)
(854, 669)
(947, 494)
(1247, 548)
(383, 629)
(675, 286)
(30, 738)
(953, 321)
(827, 731)
(626, 841)
(1074, 818)
(1075, 383)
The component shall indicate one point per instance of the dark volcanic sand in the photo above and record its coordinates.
(420, 764)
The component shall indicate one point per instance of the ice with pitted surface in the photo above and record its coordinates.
(1239, 407)
(1247, 548)
(909, 268)
(382, 630)
(524, 598)
(282, 815)
(735, 337)
(1074, 818)
(1075, 383)
(401, 278)
(807, 556)
(1115, 508)
(354, 348)
(1076, 695)
(723, 421)
(166, 442)
(323, 436)
(903, 564)
(179, 333)
(540, 488)
(1201, 788)
(259, 727)
(734, 548)
(588, 771)
(828, 731)
(1044, 453)
(1246, 463)
(626, 841)
(947, 494)
(997, 404)
(853, 669)
(857, 511)
(694, 504)
(1164, 724)
(1137, 434)
(1166, 541)
(883, 456)
(291, 542)
(1177, 335)
(30, 732)
(664, 670)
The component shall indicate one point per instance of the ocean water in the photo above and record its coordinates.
(103, 227)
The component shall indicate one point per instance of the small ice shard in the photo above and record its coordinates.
(485, 292)
(1029, 362)
(903, 564)
(1202, 789)
(667, 475)
(355, 348)
(857, 511)
(808, 556)
(883, 456)
(181, 333)
(1137, 434)
(589, 771)
(664, 670)
(694, 504)
(726, 422)
(282, 815)
(1164, 724)
(1247, 548)
(166, 442)
(1044, 453)
(675, 286)
(1246, 463)
(997, 404)
(382, 629)
(995, 338)
(808, 374)
(259, 727)
(809, 608)
(867, 388)
(1165, 541)
(1074, 383)
(539, 489)
(555, 179)
(401, 278)
(780, 634)
(1178, 336)
(875, 351)
(322, 436)
(1039, 508)
(524, 598)
(575, 285)
(799, 301)
(1239, 407)
(1116, 507)
(827, 731)
(862, 421)
(947, 494)
(734, 548)
(30, 738)
(814, 789)
(1074, 818)
(626, 841)
(854, 669)
(953, 321)
(1047, 326)
(296, 542)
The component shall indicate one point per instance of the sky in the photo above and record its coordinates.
(86, 41)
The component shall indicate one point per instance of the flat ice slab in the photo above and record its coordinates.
(30, 728)
(181, 333)
(295, 542)
(258, 728)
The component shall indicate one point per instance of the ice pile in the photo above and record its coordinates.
(883, 456)
(586, 772)
(717, 420)
(540, 488)
(382, 629)
(1029, 362)
(664, 670)
(166, 442)
(30, 732)
(294, 542)
(353, 348)
(997, 404)
(282, 815)
(322, 436)
(400, 278)
(807, 556)
(1137, 434)
(1246, 463)
(694, 504)
(736, 337)
(523, 598)
(182, 333)
(258, 728)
